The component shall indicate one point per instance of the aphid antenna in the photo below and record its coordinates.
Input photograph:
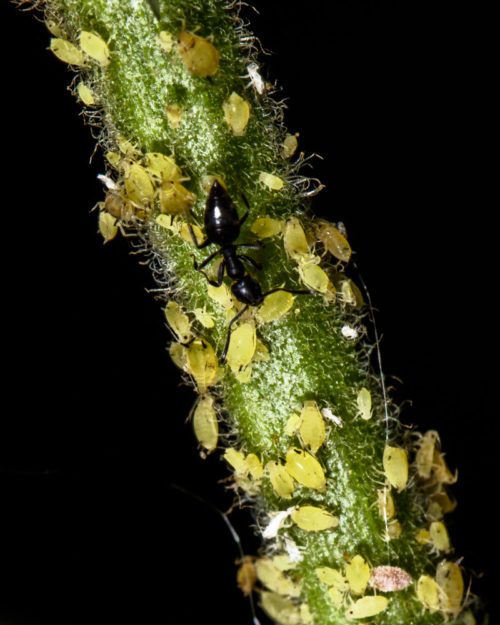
(231, 529)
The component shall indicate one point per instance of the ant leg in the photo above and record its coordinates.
(206, 261)
(250, 261)
(280, 288)
(195, 240)
(243, 219)
(226, 346)
(220, 275)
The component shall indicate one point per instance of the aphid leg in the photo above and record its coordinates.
(195, 240)
(228, 339)
(250, 261)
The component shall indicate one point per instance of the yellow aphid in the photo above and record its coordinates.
(242, 346)
(162, 166)
(312, 426)
(107, 226)
(178, 321)
(394, 530)
(261, 352)
(294, 239)
(386, 507)
(246, 575)
(434, 511)
(272, 182)
(165, 40)
(425, 453)
(205, 424)
(114, 159)
(54, 28)
(313, 276)
(254, 466)
(244, 375)
(292, 425)
(175, 198)
(389, 578)
(395, 463)
(237, 460)
(67, 52)
(440, 471)
(280, 479)
(266, 227)
(203, 317)
(357, 573)
(443, 499)
(305, 469)
(334, 241)
(186, 233)
(428, 592)
(305, 614)
(364, 402)
(439, 536)
(423, 536)
(451, 583)
(275, 306)
(127, 148)
(174, 115)
(313, 519)
(138, 185)
(94, 46)
(367, 606)
(85, 94)
(199, 55)
(178, 354)
(332, 577)
(336, 596)
(350, 293)
(274, 579)
(221, 295)
(202, 364)
(236, 113)
(289, 146)
(280, 609)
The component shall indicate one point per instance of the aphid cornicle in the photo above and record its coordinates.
(222, 227)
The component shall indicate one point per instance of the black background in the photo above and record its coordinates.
(396, 98)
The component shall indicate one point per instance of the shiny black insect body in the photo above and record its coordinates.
(222, 227)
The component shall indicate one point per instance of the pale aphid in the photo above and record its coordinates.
(312, 426)
(246, 575)
(314, 519)
(293, 550)
(256, 79)
(199, 56)
(203, 317)
(289, 146)
(389, 578)
(280, 609)
(275, 305)
(107, 226)
(221, 295)
(434, 511)
(277, 521)
(395, 462)
(393, 530)
(202, 364)
(94, 46)
(333, 240)
(305, 469)
(85, 94)
(313, 276)
(178, 354)
(438, 536)
(422, 536)
(266, 227)
(357, 573)
(175, 198)
(444, 500)
(328, 414)
(305, 614)
(242, 346)
(162, 166)
(451, 583)
(54, 28)
(254, 466)
(332, 577)
(114, 159)
(205, 424)
(174, 115)
(440, 471)
(292, 425)
(261, 352)
(386, 508)
(364, 403)
(236, 459)
(425, 453)
(128, 148)
(428, 592)
(138, 185)
(271, 181)
(349, 333)
(236, 114)
(165, 40)
(294, 239)
(283, 562)
(280, 479)
(367, 606)
(336, 596)
(67, 52)
(274, 579)
(178, 321)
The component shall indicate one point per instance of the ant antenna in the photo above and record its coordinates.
(230, 527)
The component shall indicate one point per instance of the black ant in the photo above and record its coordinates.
(222, 227)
